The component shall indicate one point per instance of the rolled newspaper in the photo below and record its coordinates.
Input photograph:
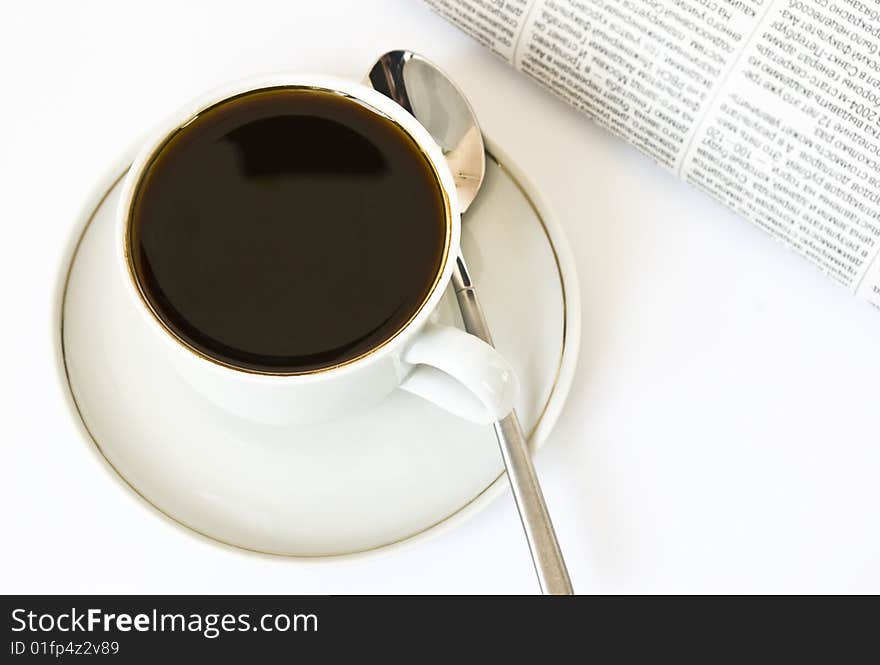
(770, 106)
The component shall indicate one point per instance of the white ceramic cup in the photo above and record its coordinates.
(442, 364)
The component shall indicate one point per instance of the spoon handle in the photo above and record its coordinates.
(546, 555)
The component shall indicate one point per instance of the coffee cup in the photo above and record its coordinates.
(224, 191)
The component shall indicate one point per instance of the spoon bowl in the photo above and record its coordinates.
(441, 107)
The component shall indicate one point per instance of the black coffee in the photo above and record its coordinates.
(287, 230)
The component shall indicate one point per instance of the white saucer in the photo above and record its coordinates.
(374, 479)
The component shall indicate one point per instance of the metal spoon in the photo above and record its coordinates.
(429, 94)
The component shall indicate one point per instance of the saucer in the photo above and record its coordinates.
(372, 479)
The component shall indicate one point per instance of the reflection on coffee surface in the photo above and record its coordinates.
(287, 230)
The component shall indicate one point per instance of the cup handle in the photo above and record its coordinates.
(460, 373)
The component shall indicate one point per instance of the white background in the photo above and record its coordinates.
(722, 432)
